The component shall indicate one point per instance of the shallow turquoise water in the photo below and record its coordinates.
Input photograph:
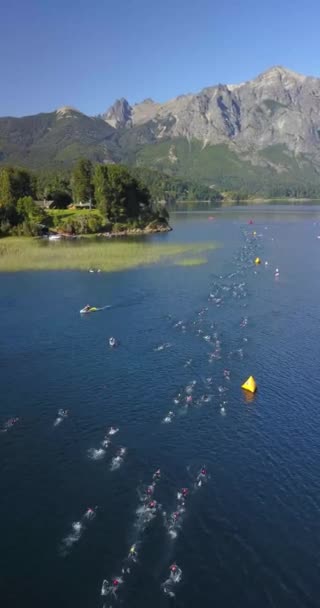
(250, 536)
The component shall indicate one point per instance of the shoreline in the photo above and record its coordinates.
(135, 232)
(257, 201)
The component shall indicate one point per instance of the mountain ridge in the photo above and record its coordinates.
(265, 128)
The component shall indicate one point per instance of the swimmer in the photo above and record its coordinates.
(9, 424)
(95, 454)
(226, 374)
(277, 273)
(133, 554)
(168, 418)
(116, 462)
(112, 342)
(176, 399)
(157, 475)
(77, 526)
(113, 430)
(182, 494)
(178, 324)
(63, 413)
(222, 389)
(189, 399)
(131, 558)
(201, 477)
(207, 338)
(122, 452)
(188, 362)
(175, 573)
(106, 442)
(174, 578)
(90, 513)
(205, 398)
(111, 588)
(162, 347)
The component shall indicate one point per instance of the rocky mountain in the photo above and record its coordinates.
(231, 135)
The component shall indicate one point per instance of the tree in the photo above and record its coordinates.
(14, 184)
(60, 198)
(101, 188)
(6, 188)
(23, 183)
(116, 198)
(120, 197)
(81, 181)
(29, 211)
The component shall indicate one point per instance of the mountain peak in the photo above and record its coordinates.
(279, 71)
(66, 112)
(119, 114)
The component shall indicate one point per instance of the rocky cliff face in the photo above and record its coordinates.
(278, 107)
(119, 115)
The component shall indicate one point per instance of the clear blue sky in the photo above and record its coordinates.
(88, 53)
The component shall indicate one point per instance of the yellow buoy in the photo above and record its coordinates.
(257, 261)
(250, 385)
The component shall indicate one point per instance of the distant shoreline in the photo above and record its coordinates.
(272, 200)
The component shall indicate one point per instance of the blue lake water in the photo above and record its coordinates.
(250, 536)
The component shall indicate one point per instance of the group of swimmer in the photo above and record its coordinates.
(146, 512)
(196, 392)
(77, 529)
(100, 452)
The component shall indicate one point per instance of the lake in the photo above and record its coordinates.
(249, 536)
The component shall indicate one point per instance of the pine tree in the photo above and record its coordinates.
(101, 188)
(7, 198)
(81, 181)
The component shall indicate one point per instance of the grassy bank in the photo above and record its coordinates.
(23, 253)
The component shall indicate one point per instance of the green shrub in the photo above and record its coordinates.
(119, 227)
(81, 224)
(28, 228)
(5, 228)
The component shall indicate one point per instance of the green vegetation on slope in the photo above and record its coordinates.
(227, 171)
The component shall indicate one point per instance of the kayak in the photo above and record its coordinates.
(84, 311)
